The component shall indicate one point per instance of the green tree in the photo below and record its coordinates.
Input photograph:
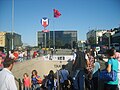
(58, 43)
(92, 40)
(49, 43)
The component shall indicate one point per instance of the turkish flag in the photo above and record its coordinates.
(56, 13)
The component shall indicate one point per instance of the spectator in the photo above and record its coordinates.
(11, 55)
(90, 64)
(1, 62)
(74, 55)
(78, 69)
(112, 64)
(15, 54)
(35, 80)
(35, 54)
(95, 75)
(7, 81)
(21, 56)
(50, 83)
(117, 56)
(63, 73)
(26, 82)
(44, 83)
(28, 53)
(89, 69)
(55, 83)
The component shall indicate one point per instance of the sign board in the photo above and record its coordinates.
(97, 48)
(45, 22)
(45, 31)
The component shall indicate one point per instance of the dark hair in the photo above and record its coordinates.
(51, 72)
(35, 72)
(12, 51)
(113, 48)
(110, 52)
(7, 62)
(25, 74)
(0, 55)
(63, 66)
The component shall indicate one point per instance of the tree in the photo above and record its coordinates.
(92, 40)
(58, 43)
(49, 43)
(75, 44)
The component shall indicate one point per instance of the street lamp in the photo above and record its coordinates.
(12, 24)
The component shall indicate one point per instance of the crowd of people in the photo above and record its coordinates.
(85, 73)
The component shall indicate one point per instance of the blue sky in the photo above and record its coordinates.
(80, 15)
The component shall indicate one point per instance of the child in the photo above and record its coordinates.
(26, 82)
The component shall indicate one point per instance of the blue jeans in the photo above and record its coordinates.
(26, 88)
(78, 80)
(36, 87)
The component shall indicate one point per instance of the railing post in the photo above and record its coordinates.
(20, 84)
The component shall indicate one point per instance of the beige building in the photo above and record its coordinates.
(2, 39)
(6, 40)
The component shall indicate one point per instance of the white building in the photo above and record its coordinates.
(94, 36)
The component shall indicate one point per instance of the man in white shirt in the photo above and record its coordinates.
(11, 55)
(7, 81)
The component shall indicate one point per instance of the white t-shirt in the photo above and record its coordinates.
(11, 56)
(7, 81)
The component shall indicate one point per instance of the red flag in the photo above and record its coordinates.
(56, 13)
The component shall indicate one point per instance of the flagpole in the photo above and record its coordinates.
(12, 24)
(53, 35)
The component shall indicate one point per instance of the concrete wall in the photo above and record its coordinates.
(42, 66)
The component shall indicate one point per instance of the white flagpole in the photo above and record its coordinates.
(12, 24)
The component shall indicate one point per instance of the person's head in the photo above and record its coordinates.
(25, 75)
(110, 53)
(63, 66)
(34, 73)
(45, 76)
(12, 51)
(51, 72)
(8, 63)
(0, 57)
(88, 52)
(113, 48)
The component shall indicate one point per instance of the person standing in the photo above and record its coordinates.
(112, 64)
(117, 56)
(26, 82)
(35, 80)
(63, 73)
(7, 81)
(78, 70)
(11, 54)
(50, 83)
(1, 62)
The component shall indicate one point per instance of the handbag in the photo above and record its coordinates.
(108, 76)
(39, 81)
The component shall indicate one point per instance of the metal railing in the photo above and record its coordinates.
(19, 83)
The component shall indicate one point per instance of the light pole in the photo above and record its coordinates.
(12, 24)
(54, 39)
(109, 40)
